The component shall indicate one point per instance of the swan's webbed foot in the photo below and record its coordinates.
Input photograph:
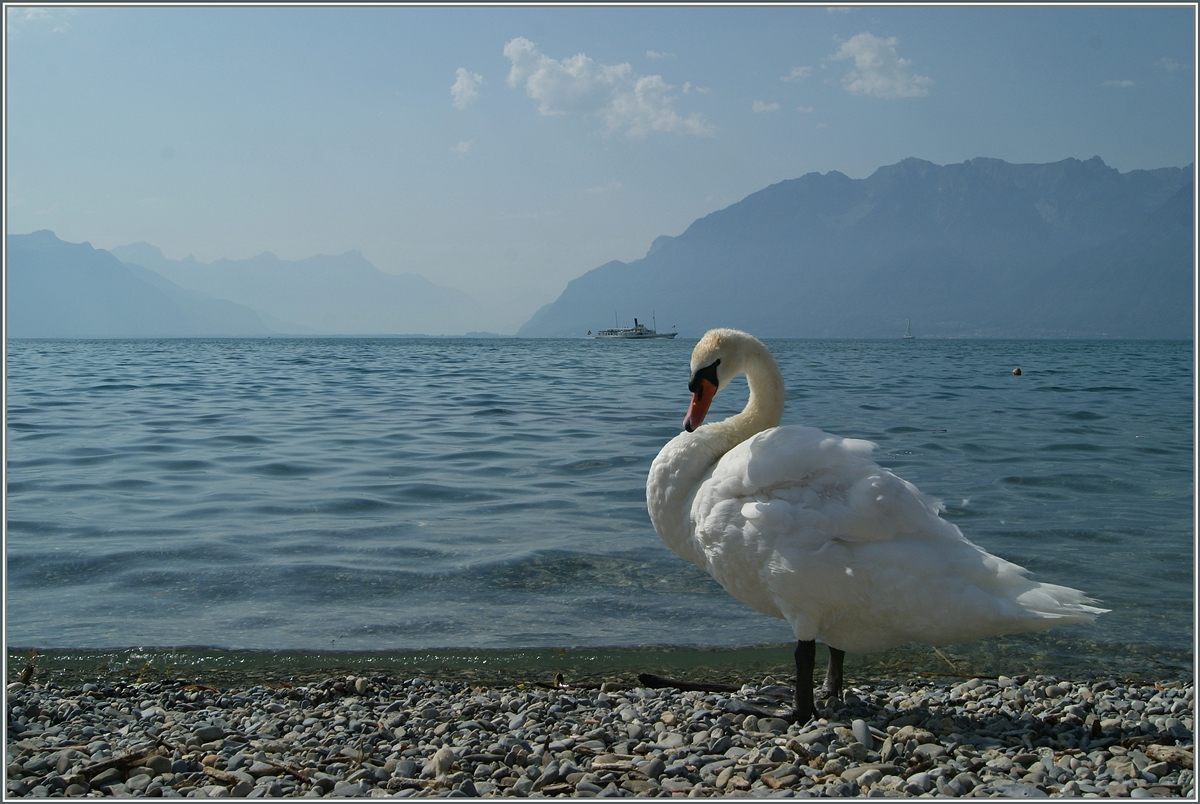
(800, 716)
(824, 697)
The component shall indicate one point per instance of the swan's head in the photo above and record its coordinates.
(719, 357)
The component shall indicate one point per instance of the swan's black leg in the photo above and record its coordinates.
(833, 676)
(806, 655)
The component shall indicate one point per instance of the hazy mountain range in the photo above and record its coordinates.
(71, 290)
(982, 248)
(343, 294)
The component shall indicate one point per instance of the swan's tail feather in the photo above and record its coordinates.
(1059, 603)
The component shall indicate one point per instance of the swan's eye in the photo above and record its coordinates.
(709, 373)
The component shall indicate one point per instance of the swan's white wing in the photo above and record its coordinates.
(802, 525)
(816, 485)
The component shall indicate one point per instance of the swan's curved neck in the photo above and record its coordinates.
(688, 458)
(764, 408)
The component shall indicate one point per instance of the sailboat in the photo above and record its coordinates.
(908, 329)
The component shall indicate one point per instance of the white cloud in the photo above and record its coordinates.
(654, 54)
(466, 88)
(759, 106)
(464, 146)
(805, 109)
(614, 92)
(561, 86)
(647, 107)
(878, 70)
(797, 74)
(1169, 64)
(1125, 83)
(52, 18)
(838, 9)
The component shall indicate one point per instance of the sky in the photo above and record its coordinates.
(506, 151)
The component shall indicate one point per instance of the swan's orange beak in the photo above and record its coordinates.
(698, 408)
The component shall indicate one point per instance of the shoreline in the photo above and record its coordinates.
(1056, 655)
(379, 735)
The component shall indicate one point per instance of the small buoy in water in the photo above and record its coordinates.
(1017, 371)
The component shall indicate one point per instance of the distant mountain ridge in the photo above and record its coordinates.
(57, 289)
(981, 248)
(342, 294)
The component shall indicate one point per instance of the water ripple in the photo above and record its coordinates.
(389, 494)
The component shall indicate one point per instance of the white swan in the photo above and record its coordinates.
(802, 525)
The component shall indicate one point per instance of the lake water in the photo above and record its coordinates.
(411, 495)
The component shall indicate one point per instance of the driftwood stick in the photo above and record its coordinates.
(116, 762)
(221, 776)
(946, 660)
(288, 767)
(170, 746)
(658, 682)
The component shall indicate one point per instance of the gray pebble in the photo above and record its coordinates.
(862, 732)
(107, 777)
(653, 768)
(930, 750)
(773, 724)
(1019, 790)
(138, 783)
(208, 734)
(921, 781)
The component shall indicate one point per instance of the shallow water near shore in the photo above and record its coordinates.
(346, 502)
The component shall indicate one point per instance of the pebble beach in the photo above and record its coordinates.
(382, 737)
